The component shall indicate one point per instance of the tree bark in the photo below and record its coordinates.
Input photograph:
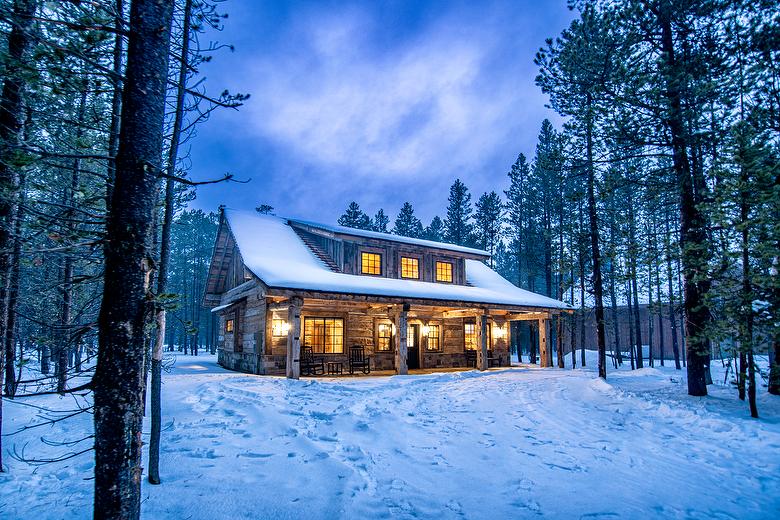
(118, 382)
(116, 100)
(693, 239)
(165, 255)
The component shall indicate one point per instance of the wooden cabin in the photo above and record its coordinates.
(276, 284)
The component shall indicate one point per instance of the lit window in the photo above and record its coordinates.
(443, 272)
(229, 326)
(410, 267)
(470, 335)
(384, 336)
(280, 327)
(434, 337)
(324, 335)
(371, 263)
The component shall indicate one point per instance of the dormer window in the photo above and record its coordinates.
(444, 272)
(371, 263)
(410, 267)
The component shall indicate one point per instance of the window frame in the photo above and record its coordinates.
(381, 265)
(389, 337)
(274, 330)
(324, 319)
(416, 259)
(436, 271)
(230, 325)
(437, 337)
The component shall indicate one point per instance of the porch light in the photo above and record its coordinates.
(280, 328)
(425, 330)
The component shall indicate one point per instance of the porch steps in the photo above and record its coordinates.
(317, 250)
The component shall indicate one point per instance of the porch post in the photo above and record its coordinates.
(483, 337)
(545, 358)
(294, 338)
(401, 325)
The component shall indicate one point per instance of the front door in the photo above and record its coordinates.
(413, 346)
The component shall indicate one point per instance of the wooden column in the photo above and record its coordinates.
(294, 338)
(401, 326)
(545, 355)
(482, 325)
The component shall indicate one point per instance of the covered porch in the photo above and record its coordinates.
(399, 336)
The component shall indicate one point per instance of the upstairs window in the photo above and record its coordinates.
(444, 272)
(410, 268)
(384, 337)
(371, 263)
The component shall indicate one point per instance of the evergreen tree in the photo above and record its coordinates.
(354, 217)
(435, 230)
(488, 222)
(407, 224)
(517, 217)
(458, 226)
(380, 222)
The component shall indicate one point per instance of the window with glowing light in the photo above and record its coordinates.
(470, 335)
(324, 335)
(434, 337)
(410, 268)
(371, 263)
(384, 337)
(444, 272)
(229, 326)
(279, 327)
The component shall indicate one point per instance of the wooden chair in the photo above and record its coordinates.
(359, 360)
(311, 365)
(471, 358)
(493, 360)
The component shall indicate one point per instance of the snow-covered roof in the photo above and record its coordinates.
(273, 252)
(394, 238)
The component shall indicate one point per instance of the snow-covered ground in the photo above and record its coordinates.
(510, 443)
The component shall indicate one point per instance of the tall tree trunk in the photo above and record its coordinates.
(66, 313)
(118, 382)
(13, 294)
(670, 283)
(11, 122)
(116, 100)
(165, 254)
(632, 254)
(598, 289)
(693, 239)
(582, 289)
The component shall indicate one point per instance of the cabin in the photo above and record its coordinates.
(281, 288)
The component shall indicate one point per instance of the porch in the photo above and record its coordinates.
(399, 337)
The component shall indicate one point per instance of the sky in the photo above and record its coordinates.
(376, 102)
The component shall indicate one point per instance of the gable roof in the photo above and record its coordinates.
(273, 252)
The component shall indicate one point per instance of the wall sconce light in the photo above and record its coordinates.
(425, 330)
(393, 329)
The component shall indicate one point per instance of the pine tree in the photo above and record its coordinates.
(380, 222)
(516, 215)
(435, 230)
(487, 221)
(458, 226)
(354, 217)
(407, 224)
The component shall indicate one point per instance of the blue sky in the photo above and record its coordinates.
(378, 102)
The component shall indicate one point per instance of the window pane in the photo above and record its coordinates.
(229, 326)
(371, 263)
(443, 272)
(433, 337)
(470, 334)
(410, 267)
(384, 336)
(324, 335)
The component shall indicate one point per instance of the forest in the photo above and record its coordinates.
(661, 190)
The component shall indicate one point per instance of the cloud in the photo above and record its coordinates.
(429, 104)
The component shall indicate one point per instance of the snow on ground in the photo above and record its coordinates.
(519, 443)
